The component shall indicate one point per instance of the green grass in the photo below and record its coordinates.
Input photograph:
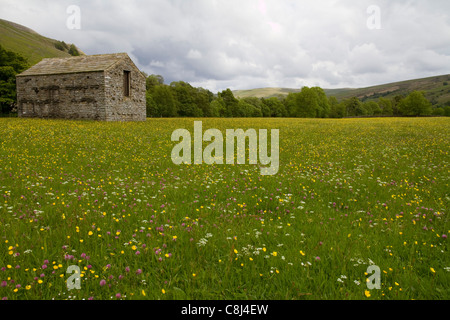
(28, 43)
(106, 197)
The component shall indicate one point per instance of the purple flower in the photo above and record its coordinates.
(118, 296)
(44, 266)
(102, 282)
(444, 236)
(138, 271)
(3, 283)
(127, 269)
(317, 258)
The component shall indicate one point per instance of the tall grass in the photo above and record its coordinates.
(107, 198)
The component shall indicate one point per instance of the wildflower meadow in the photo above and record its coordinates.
(107, 201)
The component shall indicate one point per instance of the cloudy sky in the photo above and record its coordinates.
(244, 44)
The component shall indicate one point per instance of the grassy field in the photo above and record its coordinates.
(106, 197)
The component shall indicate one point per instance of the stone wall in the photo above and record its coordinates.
(64, 96)
(120, 107)
(97, 95)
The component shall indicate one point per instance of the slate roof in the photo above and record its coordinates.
(91, 63)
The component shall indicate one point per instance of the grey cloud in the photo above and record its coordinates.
(256, 43)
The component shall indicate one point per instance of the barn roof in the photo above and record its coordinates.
(91, 63)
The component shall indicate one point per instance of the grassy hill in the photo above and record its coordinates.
(30, 44)
(264, 92)
(437, 90)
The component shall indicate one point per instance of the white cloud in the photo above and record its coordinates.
(194, 54)
(366, 58)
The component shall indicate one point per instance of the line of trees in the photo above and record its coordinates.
(180, 99)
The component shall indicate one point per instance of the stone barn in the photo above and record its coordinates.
(106, 87)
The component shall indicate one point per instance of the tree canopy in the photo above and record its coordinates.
(415, 104)
(180, 99)
(11, 64)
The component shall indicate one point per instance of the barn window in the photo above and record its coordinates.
(126, 83)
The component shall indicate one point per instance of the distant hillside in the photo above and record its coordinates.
(30, 44)
(437, 90)
(264, 92)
